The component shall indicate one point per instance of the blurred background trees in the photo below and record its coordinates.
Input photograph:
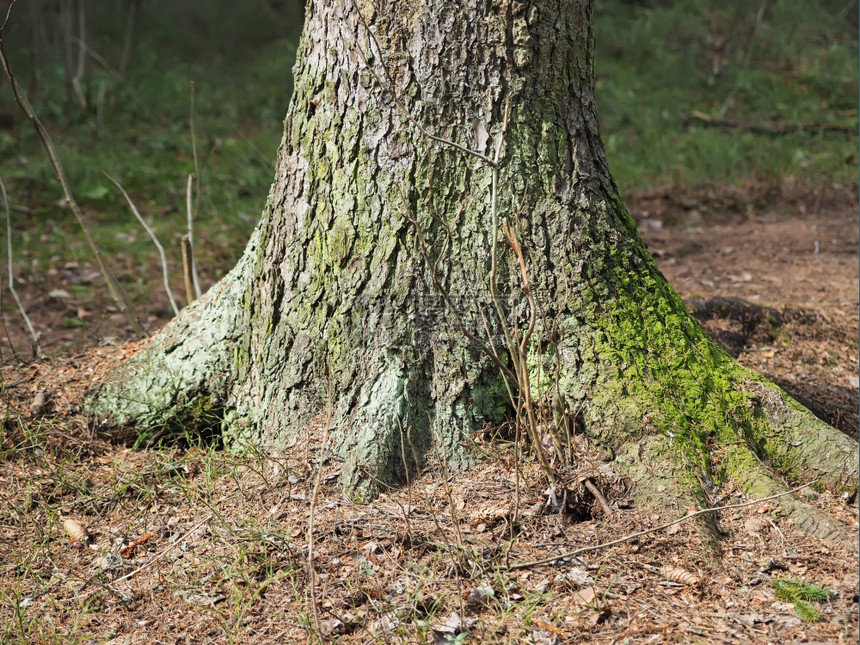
(691, 94)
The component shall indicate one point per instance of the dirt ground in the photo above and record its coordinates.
(102, 543)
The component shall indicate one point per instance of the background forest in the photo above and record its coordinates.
(690, 94)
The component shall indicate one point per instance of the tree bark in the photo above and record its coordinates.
(367, 291)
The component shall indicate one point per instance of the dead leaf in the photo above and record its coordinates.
(542, 637)
(578, 577)
(59, 294)
(552, 505)
(599, 616)
(585, 596)
(786, 621)
(40, 402)
(754, 525)
(480, 596)
(110, 562)
(454, 624)
(331, 627)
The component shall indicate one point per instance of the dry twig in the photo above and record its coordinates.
(607, 509)
(774, 127)
(191, 268)
(37, 349)
(632, 536)
(187, 262)
(164, 271)
(192, 214)
(167, 550)
(311, 572)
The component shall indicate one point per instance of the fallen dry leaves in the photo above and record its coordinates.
(225, 557)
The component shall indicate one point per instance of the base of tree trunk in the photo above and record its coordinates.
(385, 429)
(371, 289)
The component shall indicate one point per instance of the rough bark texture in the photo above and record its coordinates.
(335, 307)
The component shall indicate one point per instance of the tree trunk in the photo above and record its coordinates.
(367, 293)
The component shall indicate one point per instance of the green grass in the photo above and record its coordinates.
(137, 127)
(658, 62)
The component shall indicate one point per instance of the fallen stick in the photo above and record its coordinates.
(778, 127)
(631, 536)
(161, 554)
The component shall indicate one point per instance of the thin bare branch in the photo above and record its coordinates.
(522, 370)
(187, 260)
(115, 289)
(311, 571)
(756, 26)
(192, 263)
(633, 536)
(422, 247)
(164, 552)
(6, 20)
(101, 60)
(192, 214)
(128, 39)
(81, 65)
(37, 348)
(405, 462)
(494, 223)
(164, 271)
(594, 490)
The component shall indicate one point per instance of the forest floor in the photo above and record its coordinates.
(103, 543)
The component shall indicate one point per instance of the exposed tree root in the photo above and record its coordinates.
(790, 443)
(798, 444)
(667, 486)
(184, 374)
(370, 435)
(772, 444)
(757, 481)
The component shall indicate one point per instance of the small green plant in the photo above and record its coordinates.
(806, 612)
(801, 595)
